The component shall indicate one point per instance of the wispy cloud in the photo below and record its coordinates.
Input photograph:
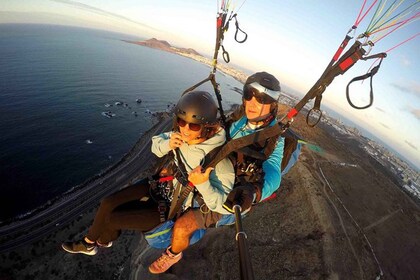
(405, 61)
(384, 125)
(411, 145)
(380, 110)
(101, 12)
(415, 112)
(409, 87)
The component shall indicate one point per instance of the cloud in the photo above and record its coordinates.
(415, 112)
(379, 109)
(101, 12)
(411, 145)
(409, 87)
(405, 61)
(384, 125)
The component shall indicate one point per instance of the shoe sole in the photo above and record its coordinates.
(89, 253)
(109, 245)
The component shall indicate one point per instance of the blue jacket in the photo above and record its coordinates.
(272, 166)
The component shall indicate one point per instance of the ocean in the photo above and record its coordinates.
(55, 84)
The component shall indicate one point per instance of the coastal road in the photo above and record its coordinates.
(71, 205)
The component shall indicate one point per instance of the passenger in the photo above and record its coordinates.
(213, 187)
(197, 132)
(256, 179)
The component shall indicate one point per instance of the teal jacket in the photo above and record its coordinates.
(272, 166)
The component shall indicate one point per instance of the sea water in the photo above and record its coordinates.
(55, 84)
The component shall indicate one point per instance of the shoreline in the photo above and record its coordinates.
(192, 54)
(75, 189)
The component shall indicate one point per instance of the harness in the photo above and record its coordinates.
(170, 197)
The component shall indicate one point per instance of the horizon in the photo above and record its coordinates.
(289, 55)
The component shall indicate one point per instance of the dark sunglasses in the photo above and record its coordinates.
(192, 126)
(261, 94)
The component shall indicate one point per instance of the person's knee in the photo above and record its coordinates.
(107, 202)
(186, 224)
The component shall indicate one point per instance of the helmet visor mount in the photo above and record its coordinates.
(262, 94)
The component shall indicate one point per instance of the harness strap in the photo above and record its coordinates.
(187, 187)
(317, 109)
(335, 68)
(238, 143)
(360, 78)
(238, 29)
(162, 210)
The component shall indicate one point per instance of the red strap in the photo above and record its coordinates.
(219, 21)
(274, 195)
(165, 179)
(170, 178)
(341, 48)
(293, 112)
(346, 64)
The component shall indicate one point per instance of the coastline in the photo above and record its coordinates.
(18, 227)
(191, 54)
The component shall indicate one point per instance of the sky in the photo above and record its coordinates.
(292, 39)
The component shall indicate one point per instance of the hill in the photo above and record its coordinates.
(164, 46)
(192, 54)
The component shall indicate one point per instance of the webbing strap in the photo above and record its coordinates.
(244, 141)
(360, 78)
(221, 152)
(188, 187)
(335, 68)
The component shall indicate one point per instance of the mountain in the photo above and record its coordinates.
(164, 46)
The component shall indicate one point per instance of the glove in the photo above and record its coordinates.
(242, 196)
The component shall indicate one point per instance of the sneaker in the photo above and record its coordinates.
(163, 263)
(80, 247)
(104, 245)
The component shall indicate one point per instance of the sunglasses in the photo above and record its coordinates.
(192, 126)
(262, 94)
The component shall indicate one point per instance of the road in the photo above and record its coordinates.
(70, 206)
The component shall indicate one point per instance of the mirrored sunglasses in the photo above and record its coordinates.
(262, 95)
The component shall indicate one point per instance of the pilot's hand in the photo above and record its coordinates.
(242, 196)
(197, 176)
(175, 141)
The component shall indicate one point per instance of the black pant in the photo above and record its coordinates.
(124, 210)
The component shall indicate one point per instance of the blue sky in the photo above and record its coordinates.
(293, 39)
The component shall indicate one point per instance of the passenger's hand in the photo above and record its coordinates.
(175, 141)
(242, 196)
(197, 176)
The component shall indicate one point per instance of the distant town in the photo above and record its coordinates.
(406, 176)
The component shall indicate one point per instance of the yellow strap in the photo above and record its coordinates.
(157, 233)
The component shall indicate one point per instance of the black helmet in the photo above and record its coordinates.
(263, 83)
(197, 107)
